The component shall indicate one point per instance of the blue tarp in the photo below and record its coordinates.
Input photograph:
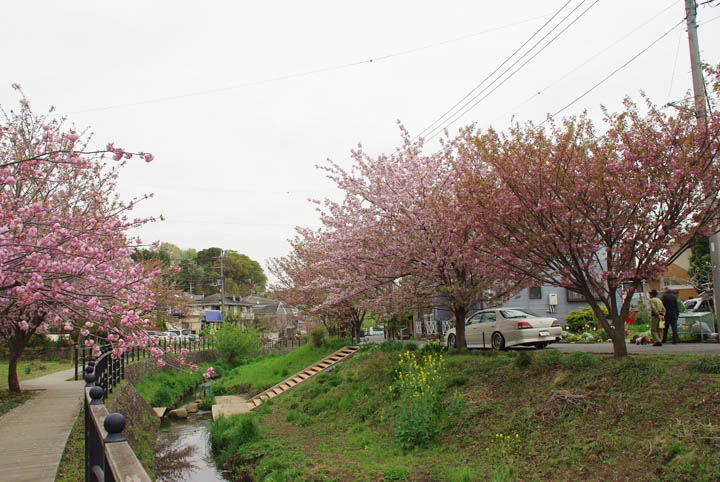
(212, 315)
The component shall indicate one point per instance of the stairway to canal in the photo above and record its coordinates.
(227, 405)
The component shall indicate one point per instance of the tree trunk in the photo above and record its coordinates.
(617, 335)
(614, 326)
(16, 348)
(460, 326)
(13, 382)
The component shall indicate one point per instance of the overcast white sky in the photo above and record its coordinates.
(196, 84)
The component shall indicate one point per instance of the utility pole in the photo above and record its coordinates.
(222, 284)
(699, 93)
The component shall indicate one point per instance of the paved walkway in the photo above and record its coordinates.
(33, 435)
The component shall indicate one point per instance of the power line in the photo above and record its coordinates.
(675, 62)
(462, 113)
(439, 119)
(708, 21)
(307, 72)
(587, 61)
(615, 71)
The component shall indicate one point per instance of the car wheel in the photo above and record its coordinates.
(540, 345)
(498, 341)
(451, 342)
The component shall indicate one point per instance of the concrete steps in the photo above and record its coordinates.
(232, 404)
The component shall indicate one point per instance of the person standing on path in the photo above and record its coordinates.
(657, 310)
(671, 314)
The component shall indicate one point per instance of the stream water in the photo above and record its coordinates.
(194, 431)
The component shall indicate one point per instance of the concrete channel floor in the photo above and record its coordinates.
(33, 435)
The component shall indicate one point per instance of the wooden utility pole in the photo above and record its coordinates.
(700, 113)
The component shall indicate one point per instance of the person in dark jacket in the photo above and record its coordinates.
(671, 314)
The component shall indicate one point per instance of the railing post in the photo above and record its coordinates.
(94, 451)
(114, 424)
(83, 359)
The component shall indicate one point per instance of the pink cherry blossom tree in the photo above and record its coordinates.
(306, 280)
(402, 218)
(595, 213)
(64, 248)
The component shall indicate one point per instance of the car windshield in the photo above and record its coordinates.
(507, 314)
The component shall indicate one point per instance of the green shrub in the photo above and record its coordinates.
(228, 434)
(317, 337)
(643, 314)
(234, 341)
(582, 319)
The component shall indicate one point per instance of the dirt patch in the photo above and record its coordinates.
(560, 402)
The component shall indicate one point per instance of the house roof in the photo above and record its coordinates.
(230, 300)
(259, 300)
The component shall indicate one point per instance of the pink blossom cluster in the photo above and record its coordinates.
(64, 247)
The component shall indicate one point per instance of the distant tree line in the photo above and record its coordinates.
(199, 271)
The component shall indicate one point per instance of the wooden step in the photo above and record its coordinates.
(288, 383)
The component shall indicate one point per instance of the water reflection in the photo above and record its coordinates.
(193, 431)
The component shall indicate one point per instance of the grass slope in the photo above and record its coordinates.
(507, 416)
(265, 372)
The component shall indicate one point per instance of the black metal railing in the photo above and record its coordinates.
(282, 343)
(81, 355)
(108, 456)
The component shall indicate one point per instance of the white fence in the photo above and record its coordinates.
(428, 326)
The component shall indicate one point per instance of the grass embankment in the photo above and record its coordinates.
(168, 388)
(504, 416)
(260, 373)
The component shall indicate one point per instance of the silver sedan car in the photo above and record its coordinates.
(500, 328)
